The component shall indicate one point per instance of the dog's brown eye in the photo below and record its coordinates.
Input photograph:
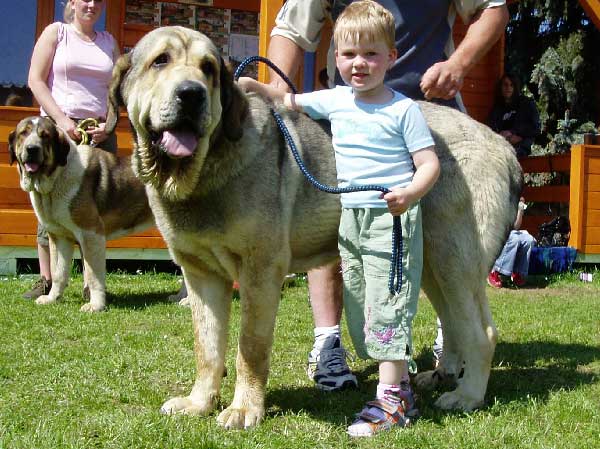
(208, 68)
(160, 60)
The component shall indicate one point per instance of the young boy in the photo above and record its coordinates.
(380, 137)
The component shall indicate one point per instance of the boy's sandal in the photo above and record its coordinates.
(393, 415)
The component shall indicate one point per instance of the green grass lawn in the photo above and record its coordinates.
(75, 380)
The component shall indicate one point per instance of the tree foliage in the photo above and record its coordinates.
(552, 47)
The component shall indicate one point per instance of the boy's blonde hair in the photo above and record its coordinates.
(365, 20)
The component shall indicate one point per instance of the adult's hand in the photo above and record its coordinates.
(442, 80)
(98, 134)
(70, 127)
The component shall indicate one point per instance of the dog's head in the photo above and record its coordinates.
(181, 100)
(40, 148)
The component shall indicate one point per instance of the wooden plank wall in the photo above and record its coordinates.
(585, 198)
(582, 194)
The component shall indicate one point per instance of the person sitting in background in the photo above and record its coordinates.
(513, 261)
(514, 116)
(71, 68)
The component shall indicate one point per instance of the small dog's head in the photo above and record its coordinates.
(39, 147)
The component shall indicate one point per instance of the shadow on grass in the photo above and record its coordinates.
(528, 371)
(142, 300)
(138, 300)
(337, 407)
(535, 369)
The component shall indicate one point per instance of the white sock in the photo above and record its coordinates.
(382, 388)
(322, 333)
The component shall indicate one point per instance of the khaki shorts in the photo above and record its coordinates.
(380, 323)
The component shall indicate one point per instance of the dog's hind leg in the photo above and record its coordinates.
(93, 247)
(260, 283)
(475, 335)
(61, 256)
(209, 296)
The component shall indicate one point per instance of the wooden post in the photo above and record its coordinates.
(45, 16)
(592, 9)
(115, 16)
(268, 12)
(577, 195)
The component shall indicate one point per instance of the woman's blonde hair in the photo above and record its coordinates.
(68, 12)
(365, 20)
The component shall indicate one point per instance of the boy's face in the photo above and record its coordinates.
(363, 65)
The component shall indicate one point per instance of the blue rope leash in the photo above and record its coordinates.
(395, 278)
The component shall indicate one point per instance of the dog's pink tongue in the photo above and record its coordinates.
(179, 143)
(31, 167)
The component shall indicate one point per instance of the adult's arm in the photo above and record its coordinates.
(297, 29)
(445, 79)
(494, 119)
(39, 69)
(520, 213)
(287, 56)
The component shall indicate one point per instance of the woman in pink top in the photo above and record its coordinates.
(70, 72)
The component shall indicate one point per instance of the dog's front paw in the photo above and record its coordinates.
(436, 379)
(427, 380)
(185, 302)
(241, 418)
(91, 308)
(45, 299)
(186, 406)
(454, 400)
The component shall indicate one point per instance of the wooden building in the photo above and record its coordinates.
(237, 26)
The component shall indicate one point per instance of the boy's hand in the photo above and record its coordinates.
(398, 200)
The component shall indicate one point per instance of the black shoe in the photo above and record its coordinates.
(41, 287)
(176, 297)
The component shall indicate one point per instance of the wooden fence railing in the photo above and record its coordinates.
(560, 163)
(582, 194)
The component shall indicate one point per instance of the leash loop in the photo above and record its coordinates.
(395, 277)
(82, 127)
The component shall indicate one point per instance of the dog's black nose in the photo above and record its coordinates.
(191, 94)
(32, 151)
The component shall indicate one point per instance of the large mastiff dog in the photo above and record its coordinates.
(82, 195)
(231, 204)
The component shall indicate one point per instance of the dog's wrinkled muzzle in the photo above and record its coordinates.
(180, 135)
(32, 157)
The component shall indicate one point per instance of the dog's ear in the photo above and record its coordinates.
(234, 103)
(115, 98)
(12, 154)
(62, 145)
